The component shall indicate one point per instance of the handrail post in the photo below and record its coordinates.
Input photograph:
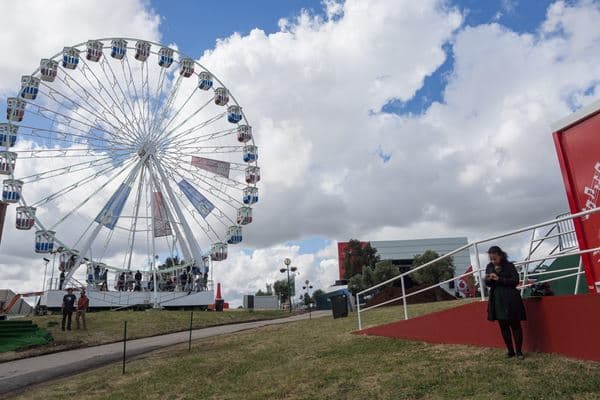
(478, 269)
(358, 311)
(578, 279)
(404, 298)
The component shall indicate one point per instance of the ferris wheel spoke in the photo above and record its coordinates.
(106, 110)
(181, 135)
(65, 137)
(162, 114)
(52, 95)
(100, 89)
(232, 183)
(118, 105)
(126, 99)
(67, 170)
(137, 96)
(63, 191)
(188, 233)
(182, 123)
(207, 186)
(134, 221)
(43, 110)
(207, 137)
(219, 214)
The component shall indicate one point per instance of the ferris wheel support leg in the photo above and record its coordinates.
(194, 247)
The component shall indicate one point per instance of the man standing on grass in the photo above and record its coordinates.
(82, 306)
(68, 306)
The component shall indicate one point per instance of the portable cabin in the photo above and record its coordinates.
(118, 48)
(252, 174)
(93, 50)
(142, 50)
(205, 80)
(70, 58)
(234, 114)
(44, 241)
(15, 109)
(165, 57)
(250, 153)
(244, 215)
(186, 67)
(221, 96)
(8, 134)
(218, 251)
(8, 160)
(234, 234)
(25, 218)
(244, 133)
(11, 190)
(48, 69)
(250, 195)
(30, 85)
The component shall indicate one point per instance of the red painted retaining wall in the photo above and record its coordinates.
(567, 325)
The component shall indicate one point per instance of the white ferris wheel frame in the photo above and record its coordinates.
(186, 239)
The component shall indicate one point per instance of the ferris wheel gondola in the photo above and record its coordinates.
(128, 159)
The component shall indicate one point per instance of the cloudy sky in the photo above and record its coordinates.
(385, 119)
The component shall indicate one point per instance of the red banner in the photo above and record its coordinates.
(215, 166)
(162, 227)
(578, 147)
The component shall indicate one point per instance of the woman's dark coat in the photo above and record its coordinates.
(506, 287)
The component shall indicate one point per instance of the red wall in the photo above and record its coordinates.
(560, 324)
(578, 149)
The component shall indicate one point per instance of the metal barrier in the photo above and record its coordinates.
(564, 229)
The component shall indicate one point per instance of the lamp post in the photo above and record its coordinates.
(307, 286)
(287, 268)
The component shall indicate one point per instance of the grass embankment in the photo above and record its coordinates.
(321, 359)
(107, 327)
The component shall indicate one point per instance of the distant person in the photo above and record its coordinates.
(68, 306)
(505, 304)
(151, 282)
(205, 281)
(82, 307)
(129, 280)
(61, 280)
(121, 282)
(138, 281)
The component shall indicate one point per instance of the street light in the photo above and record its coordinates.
(307, 286)
(287, 269)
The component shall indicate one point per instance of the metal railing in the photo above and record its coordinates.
(476, 271)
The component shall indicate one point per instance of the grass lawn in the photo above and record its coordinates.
(321, 359)
(107, 326)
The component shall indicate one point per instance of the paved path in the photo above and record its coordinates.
(18, 374)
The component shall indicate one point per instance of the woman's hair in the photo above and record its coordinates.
(499, 251)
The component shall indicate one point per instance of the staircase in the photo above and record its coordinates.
(17, 334)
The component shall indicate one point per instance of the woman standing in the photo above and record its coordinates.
(505, 304)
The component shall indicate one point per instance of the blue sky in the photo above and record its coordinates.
(195, 26)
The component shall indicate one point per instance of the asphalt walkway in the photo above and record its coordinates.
(18, 374)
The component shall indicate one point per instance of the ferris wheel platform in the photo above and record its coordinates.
(52, 299)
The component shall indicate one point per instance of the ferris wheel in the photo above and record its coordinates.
(122, 151)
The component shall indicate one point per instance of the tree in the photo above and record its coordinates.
(437, 272)
(281, 289)
(306, 299)
(269, 291)
(358, 255)
(316, 294)
(371, 276)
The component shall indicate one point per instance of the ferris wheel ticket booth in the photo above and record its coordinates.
(133, 168)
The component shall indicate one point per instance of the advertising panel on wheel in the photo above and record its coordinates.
(577, 141)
